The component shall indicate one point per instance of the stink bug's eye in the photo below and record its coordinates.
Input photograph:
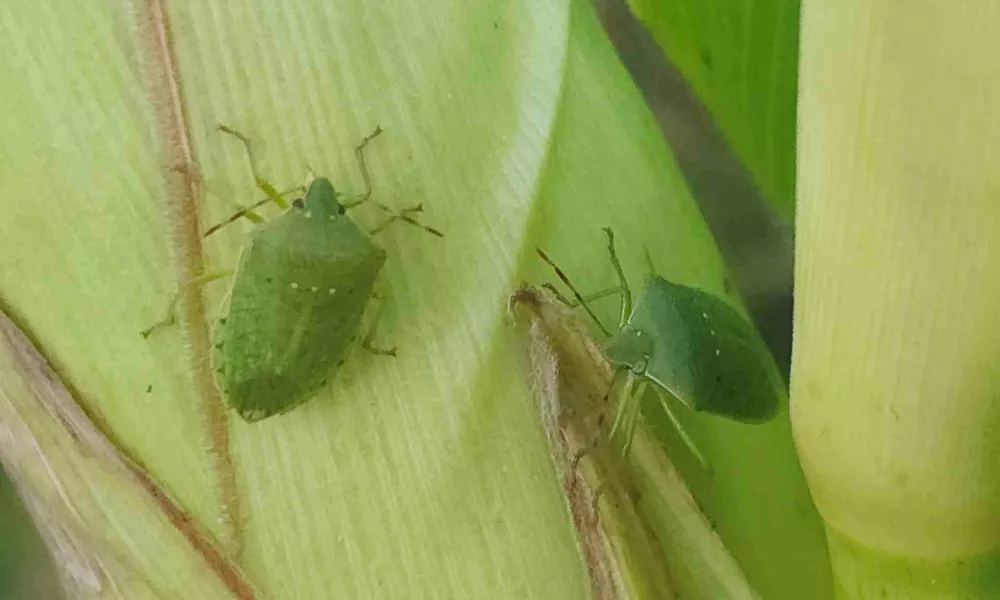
(298, 203)
(340, 209)
(639, 368)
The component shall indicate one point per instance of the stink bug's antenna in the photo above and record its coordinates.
(682, 432)
(404, 215)
(621, 289)
(249, 213)
(580, 299)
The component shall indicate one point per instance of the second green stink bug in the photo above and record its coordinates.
(688, 344)
(298, 296)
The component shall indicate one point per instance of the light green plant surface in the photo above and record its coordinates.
(741, 59)
(419, 477)
(895, 384)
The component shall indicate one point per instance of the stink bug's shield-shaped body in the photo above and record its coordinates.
(295, 306)
(689, 344)
(700, 350)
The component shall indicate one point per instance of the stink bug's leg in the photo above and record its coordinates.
(418, 207)
(625, 395)
(579, 455)
(367, 342)
(210, 277)
(594, 444)
(167, 321)
(682, 432)
(403, 215)
(262, 183)
(629, 408)
(650, 267)
(595, 502)
(367, 345)
(380, 228)
(615, 379)
(189, 171)
(582, 452)
(171, 317)
(359, 154)
(587, 298)
(248, 211)
(622, 282)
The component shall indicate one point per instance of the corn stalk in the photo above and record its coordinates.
(895, 384)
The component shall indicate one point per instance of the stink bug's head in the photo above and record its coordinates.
(629, 348)
(321, 199)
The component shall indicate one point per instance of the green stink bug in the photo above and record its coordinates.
(298, 295)
(686, 343)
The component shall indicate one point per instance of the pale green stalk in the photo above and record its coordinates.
(895, 379)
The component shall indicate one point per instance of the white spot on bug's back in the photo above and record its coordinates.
(294, 285)
(332, 291)
(638, 333)
(704, 316)
(713, 331)
(309, 214)
(314, 288)
(718, 352)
